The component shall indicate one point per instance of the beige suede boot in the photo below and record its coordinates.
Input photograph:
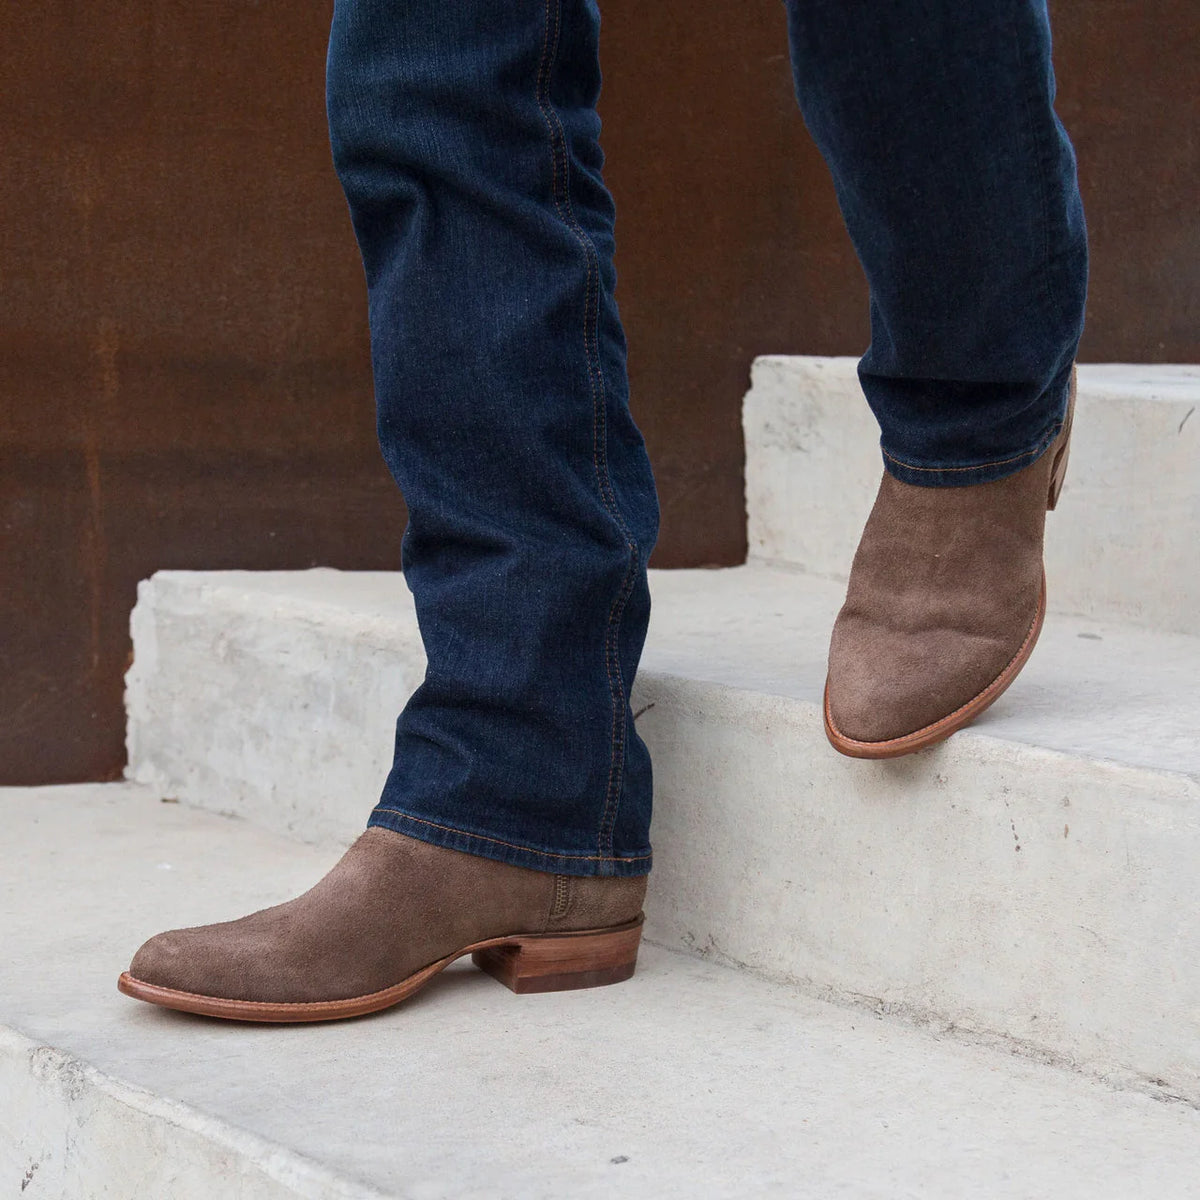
(944, 606)
(389, 916)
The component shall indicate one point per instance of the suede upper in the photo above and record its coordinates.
(390, 906)
(944, 590)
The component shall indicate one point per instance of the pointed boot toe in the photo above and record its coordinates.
(892, 692)
(944, 606)
(236, 962)
(391, 914)
(163, 960)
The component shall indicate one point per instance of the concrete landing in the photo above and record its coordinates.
(690, 1080)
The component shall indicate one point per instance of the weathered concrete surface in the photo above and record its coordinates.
(1031, 880)
(69, 1130)
(247, 687)
(1121, 546)
(689, 1080)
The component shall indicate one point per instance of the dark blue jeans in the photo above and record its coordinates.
(466, 137)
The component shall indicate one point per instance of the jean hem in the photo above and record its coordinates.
(559, 862)
(964, 475)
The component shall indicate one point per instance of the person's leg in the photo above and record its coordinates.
(466, 138)
(958, 186)
(517, 810)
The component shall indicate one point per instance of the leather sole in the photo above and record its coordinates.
(548, 962)
(930, 735)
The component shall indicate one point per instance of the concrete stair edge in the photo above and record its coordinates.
(1121, 545)
(724, 1084)
(728, 831)
(126, 1140)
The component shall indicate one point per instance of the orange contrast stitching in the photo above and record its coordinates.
(514, 845)
(591, 343)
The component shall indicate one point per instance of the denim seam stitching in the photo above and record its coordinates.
(514, 845)
(1040, 448)
(591, 340)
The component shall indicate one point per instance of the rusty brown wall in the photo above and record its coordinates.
(183, 357)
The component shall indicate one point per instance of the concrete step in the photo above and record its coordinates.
(1032, 880)
(1121, 546)
(689, 1080)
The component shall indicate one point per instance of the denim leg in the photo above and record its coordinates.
(466, 138)
(958, 186)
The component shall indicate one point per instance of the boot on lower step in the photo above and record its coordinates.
(944, 606)
(389, 916)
